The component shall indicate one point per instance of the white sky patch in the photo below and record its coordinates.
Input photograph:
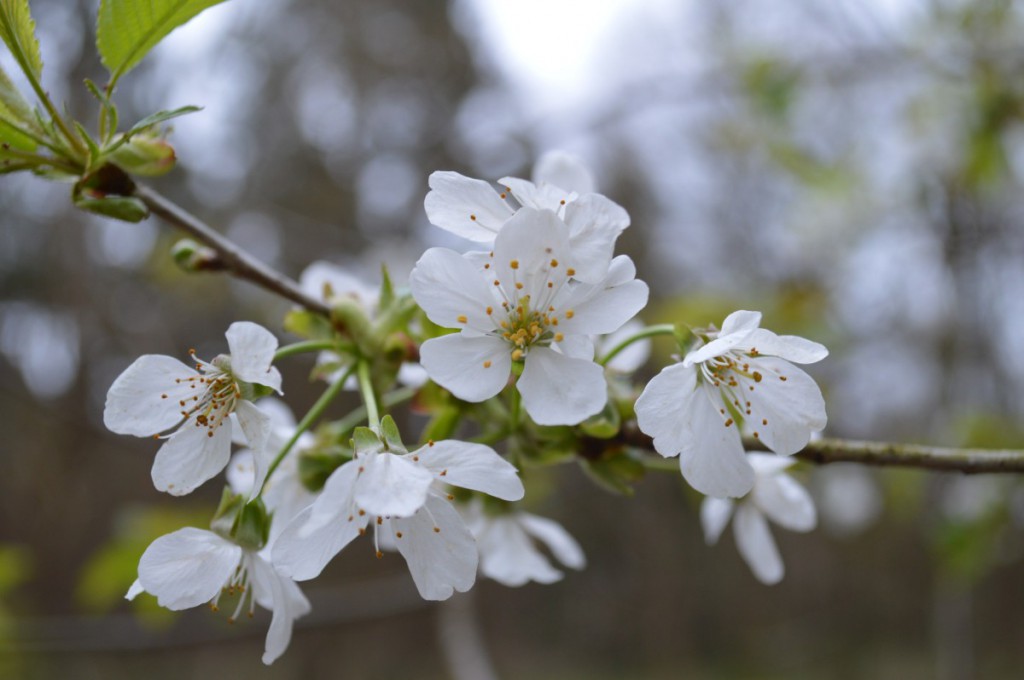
(546, 48)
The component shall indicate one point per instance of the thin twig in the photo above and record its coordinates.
(882, 454)
(236, 260)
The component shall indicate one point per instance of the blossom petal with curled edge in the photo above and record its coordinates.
(252, 350)
(439, 549)
(452, 292)
(188, 567)
(190, 457)
(146, 398)
(473, 369)
(391, 485)
(471, 466)
(466, 207)
(561, 390)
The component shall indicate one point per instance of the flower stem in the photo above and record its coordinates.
(311, 416)
(650, 331)
(303, 347)
(369, 398)
(387, 400)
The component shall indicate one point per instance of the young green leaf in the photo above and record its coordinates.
(18, 31)
(127, 30)
(161, 116)
(14, 103)
(13, 134)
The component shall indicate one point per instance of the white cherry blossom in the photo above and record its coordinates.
(190, 567)
(508, 544)
(742, 375)
(403, 496)
(471, 208)
(775, 496)
(157, 394)
(523, 305)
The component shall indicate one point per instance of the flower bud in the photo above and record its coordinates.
(247, 524)
(144, 155)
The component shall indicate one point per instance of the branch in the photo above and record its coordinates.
(882, 454)
(234, 259)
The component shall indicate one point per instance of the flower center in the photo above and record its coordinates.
(216, 393)
(238, 584)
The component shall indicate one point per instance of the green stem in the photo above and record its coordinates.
(305, 346)
(37, 160)
(649, 332)
(37, 138)
(311, 417)
(369, 399)
(388, 400)
(515, 409)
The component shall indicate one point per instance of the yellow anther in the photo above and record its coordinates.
(487, 364)
(559, 337)
(517, 354)
(514, 264)
(554, 263)
(519, 286)
(490, 310)
(473, 217)
(570, 271)
(462, 318)
(569, 314)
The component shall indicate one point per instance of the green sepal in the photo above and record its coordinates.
(366, 440)
(616, 470)
(392, 438)
(160, 117)
(686, 339)
(90, 143)
(349, 314)
(108, 110)
(195, 257)
(244, 523)
(603, 425)
(387, 288)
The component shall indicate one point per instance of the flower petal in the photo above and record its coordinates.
(595, 223)
(134, 591)
(257, 428)
(712, 459)
(714, 516)
(472, 466)
(786, 405)
(524, 252)
(473, 369)
(508, 556)
(560, 390)
(564, 170)
(187, 567)
(439, 549)
(542, 197)
(789, 347)
(634, 356)
(740, 321)
(329, 282)
(785, 502)
(391, 485)
(449, 289)
(576, 346)
(190, 457)
(466, 207)
(303, 549)
(604, 307)
(660, 408)
(252, 350)
(756, 545)
(559, 541)
(145, 399)
(287, 603)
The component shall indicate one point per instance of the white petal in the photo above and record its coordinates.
(768, 464)
(559, 541)
(756, 545)
(190, 457)
(740, 321)
(412, 375)
(135, 590)
(605, 306)
(532, 239)
(240, 473)
(287, 603)
(788, 347)
(560, 390)
(577, 347)
(712, 458)
(440, 561)
(564, 170)
(472, 466)
(337, 498)
(595, 222)
(329, 282)
(784, 413)
(473, 369)
(545, 197)
(660, 408)
(188, 567)
(466, 207)
(136, 403)
(449, 288)
(508, 556)
(252, 350)
(785, 502)
(257, 426)
(391, 485)
(717, 347)
(302, 554)
(714, 516)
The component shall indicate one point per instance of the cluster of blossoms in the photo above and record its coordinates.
(519, 319)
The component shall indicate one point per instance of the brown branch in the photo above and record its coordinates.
(234, 259)
(882, 454)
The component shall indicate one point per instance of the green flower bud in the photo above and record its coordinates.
(144, 155)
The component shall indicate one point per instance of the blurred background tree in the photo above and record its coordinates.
(852, 169)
